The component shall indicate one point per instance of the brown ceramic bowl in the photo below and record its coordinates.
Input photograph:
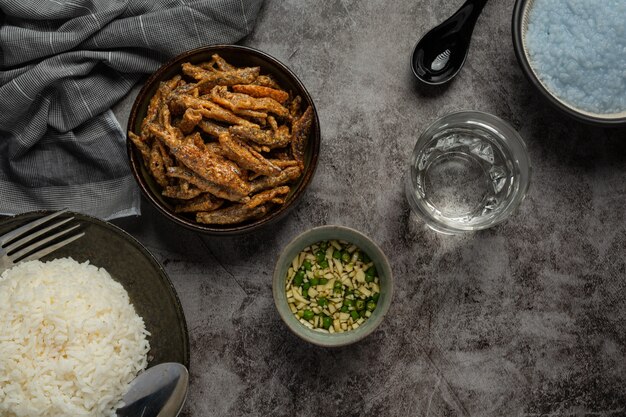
(238, 56)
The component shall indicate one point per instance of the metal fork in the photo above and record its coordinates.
(13, 251)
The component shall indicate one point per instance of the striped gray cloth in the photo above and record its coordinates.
(63, 64)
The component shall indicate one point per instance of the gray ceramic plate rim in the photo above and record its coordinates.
(307, 238)
(142, 249)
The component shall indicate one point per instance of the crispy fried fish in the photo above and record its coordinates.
(143, 148)
(205, 165)
(238, 151)
(209, 79)
(157, 167)
(204, 202)
(206, 185)
(294, 107)
(189, 121)
(300, 134)
(161, 95)
(265, 196)
(266, 81)
(238, 101)
(285, 176)
(278, 139)
(211, 128)
(221, 63)
(181, 191)
(259, 91)
(211, 110)
(236, 213)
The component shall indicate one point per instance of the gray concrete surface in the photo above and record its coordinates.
(526, 319)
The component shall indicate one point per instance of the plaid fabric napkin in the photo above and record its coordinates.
(63, 64)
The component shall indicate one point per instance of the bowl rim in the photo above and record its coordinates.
(274, 215)
(518, 47)
(138, 245)
(337, 339)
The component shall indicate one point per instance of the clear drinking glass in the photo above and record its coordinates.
(468, 171)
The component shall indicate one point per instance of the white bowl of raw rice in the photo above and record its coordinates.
(79, 325)
(574, 53)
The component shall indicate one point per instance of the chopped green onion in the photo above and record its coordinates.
(308, 315)
(297, 280)
(354, 314)
(320, 256)
(370, 305)
(345, 256)
(322, 302)
(360, 304)
(306, 264)
(326, 322)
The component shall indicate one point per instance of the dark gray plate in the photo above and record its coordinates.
(130, 264)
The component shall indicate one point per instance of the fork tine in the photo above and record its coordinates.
(43, 252)
(28, 226)
(40, 243)
(31, 236)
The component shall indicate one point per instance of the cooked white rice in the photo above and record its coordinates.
(70, 341)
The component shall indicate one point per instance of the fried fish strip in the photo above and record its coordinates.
(212, 129)
(167, 159)
(211, 110)
(285, 176)
(300, 134)
(195, 139)
(206, 185)
(236, 150)
(209, 79)
(221, 63)
(265, 196)
(236, 213)
(165, 88)
(190, 119)
(259, 91)
(181, 192)
(294, 107)
(144, 149)
(238, 101)
(266, 81)
(257, 115)
(205, 165)
(284, 163)
(215, 148)
(157, 167)
(278, 139)
(204, 202)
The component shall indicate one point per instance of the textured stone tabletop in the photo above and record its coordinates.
(525, 319)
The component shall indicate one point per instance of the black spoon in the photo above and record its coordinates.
(441, 53)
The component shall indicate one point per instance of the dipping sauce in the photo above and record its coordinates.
(332, 287)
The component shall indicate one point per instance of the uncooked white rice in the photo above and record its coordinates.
(70, 341)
